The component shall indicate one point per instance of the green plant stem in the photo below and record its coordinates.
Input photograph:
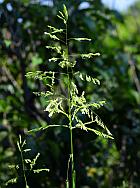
(70, 119)
(23, 167)
(71, 134)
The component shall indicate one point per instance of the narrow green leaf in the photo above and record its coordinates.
(20, 140)
(46, 127)
(43, 94)
(24, 142)
(41, 170)
(26, 150)
(51, 36)
(55, 30)
(96, 81)
(53, 59)
(62, 14)
(27, 161)
(65, 12)
(33, 162)
(62, 19)
(56, 48)
(18, 146)
(80, 39)
(12, 181)
(100, 133)
(89, 55)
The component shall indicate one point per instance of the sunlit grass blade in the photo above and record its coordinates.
(100, 133)
(74, 179)
(67, 184)
(46, 127)
(80, 39)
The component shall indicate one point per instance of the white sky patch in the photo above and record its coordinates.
(120, 5)
(9, 7)
(20, 20)
(84, 5)
(46, 2)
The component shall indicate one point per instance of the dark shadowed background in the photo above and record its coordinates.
(100, 163)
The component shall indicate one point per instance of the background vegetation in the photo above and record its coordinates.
(100, 163)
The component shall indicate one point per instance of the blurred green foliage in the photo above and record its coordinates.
(99, 163)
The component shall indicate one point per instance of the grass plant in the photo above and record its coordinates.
(73, 103)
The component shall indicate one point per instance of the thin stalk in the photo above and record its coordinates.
(70, 118)
(23, 167)
(67, 180)
(71, 134)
